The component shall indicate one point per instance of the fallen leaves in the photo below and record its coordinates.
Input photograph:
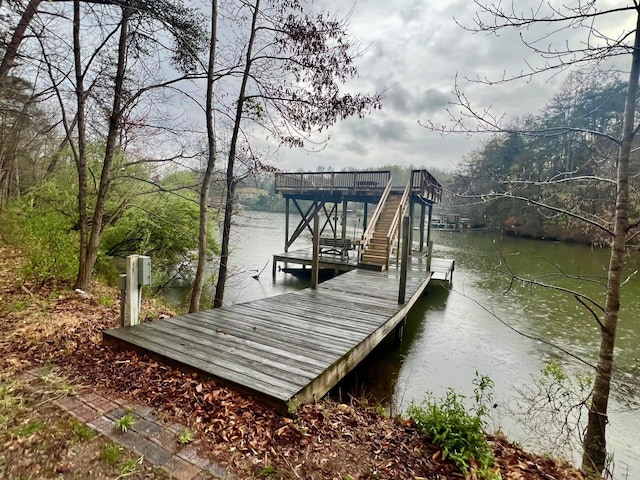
(326, 440)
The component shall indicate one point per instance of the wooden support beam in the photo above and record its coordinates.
(344, 226)
(307, 217)
(286, 227)
(406, 224)
(328, 220)
(411, 213)
(315, 266)
(422, 217)
(399, 332)
(429, 220)
(364, 221)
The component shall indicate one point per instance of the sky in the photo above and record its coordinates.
(414, 51)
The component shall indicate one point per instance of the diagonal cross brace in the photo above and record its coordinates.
(307, 217)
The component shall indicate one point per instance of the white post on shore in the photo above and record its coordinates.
(138, 274)
(133, 298)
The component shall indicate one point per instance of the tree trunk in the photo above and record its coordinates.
(595, 452)
(228, 210)
(16, 38)
(81, 158)
(91, 251)
(196, 292)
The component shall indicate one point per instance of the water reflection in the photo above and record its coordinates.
(481, 324)
(490, 325)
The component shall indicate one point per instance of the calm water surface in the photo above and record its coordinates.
(486, 323)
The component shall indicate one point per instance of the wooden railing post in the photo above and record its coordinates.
(404, 264)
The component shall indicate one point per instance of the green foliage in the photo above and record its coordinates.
(105, 301)
(139, 218)
(82, 431)
(31, 428)
(459, 432)
(185, 437)
(129, 466)
(163, 226)
(293, 405)
(268, 471)
(382, 411)
(125, 423)
(111, 453)
(46, 237)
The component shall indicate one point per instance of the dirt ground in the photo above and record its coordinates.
(47, 325)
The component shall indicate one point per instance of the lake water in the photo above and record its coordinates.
(486, 323)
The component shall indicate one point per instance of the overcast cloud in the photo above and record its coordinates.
(414, 51)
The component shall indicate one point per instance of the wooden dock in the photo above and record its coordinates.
(291, 347)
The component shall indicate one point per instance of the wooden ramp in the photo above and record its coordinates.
(292, 346)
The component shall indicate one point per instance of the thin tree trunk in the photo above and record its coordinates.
(595, 452)
(18, 35)
(231, 185)
(16, 38)
(51, 168)
(81, 159)
(86, 269)
(196, 292)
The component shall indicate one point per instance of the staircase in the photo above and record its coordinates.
(377, 252)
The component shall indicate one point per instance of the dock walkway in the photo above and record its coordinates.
(292, 346)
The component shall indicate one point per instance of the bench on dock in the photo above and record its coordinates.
(336, 246)
(367, 183)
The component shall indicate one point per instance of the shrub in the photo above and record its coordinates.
(459, 432)
(47, 239)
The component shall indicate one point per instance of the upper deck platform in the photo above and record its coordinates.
(364, 186)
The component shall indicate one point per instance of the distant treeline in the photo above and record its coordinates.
(564, 158)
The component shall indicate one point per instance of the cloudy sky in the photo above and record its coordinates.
(414, 52)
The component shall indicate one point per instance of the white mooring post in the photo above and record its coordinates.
(138, 274)
(132, 300)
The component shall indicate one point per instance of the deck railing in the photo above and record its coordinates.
(371, 227)
(425, 185)
(344, 181)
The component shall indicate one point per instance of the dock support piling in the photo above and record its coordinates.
(406, 223)
(315, 265)
(286, 226)
(429, 220)
(422, 218)
(399, 332)
(411, 214)
(344, 227)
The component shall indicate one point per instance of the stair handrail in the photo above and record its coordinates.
(371, 226)
(395, 223)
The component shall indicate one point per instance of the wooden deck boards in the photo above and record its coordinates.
(298, 344)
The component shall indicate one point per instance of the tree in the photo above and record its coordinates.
(198, 281)
(594, 49)
(294, 63)
(178, 21)
(25, 136)
(112, 93)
